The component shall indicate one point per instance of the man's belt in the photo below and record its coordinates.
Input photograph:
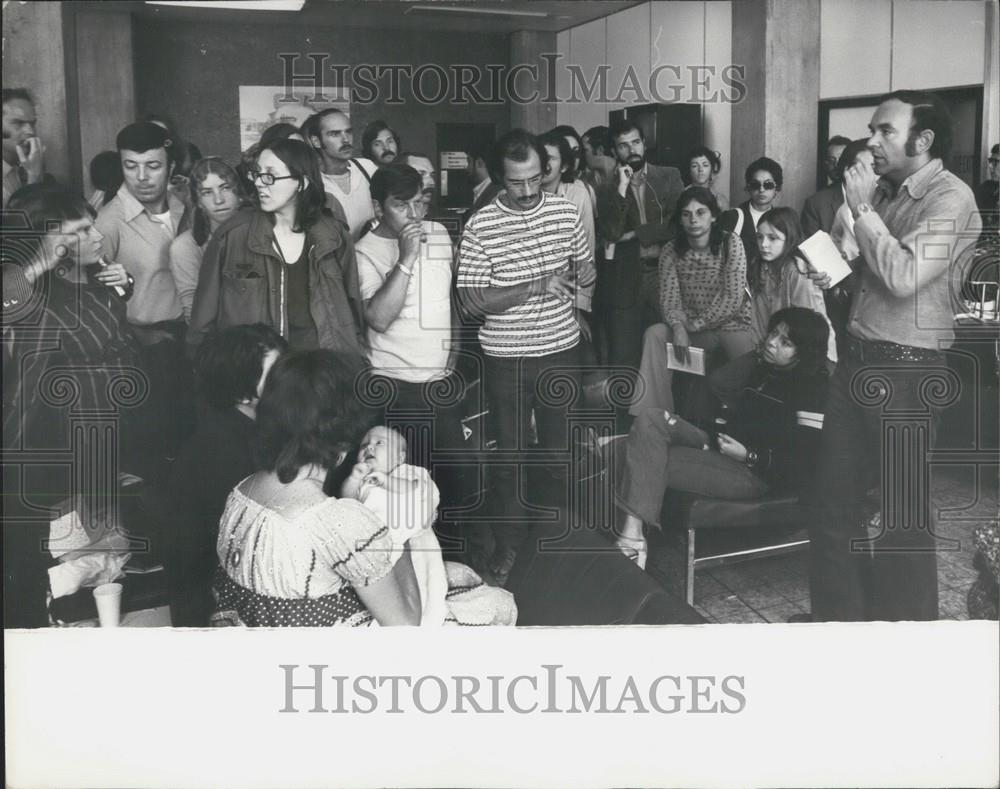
(869, 351)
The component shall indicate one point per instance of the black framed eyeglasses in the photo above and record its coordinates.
(266, 178)
(766, 185)
(993, 160)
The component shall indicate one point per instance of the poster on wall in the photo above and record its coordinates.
(265, 105)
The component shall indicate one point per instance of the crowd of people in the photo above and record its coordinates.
(284, 344)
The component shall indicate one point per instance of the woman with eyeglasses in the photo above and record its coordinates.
(216, 193)
(763, 179)
(288, 264)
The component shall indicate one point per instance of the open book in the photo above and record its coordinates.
(824, 256)
(695, 365)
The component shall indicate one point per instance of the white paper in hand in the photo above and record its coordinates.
(824, 256)
(695, 365)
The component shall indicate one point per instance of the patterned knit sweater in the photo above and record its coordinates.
(703, 290)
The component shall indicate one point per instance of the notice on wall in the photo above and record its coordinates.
(454, 160)
(262, 106)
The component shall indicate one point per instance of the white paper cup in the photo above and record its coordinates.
(109, 604)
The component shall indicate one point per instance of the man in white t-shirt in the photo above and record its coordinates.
(344, 176)
(405, 272)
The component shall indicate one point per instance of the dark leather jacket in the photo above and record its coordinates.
(243, 280)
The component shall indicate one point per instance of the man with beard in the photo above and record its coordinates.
(345, 177)
(521, 263)
(380, 143)
(634, 210)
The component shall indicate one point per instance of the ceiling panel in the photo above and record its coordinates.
(481, 16)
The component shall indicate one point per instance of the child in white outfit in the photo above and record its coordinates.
(406, 498)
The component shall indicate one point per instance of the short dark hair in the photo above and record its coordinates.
(598, 136)
(558, 140)
(929, 113)
(395, 180)
(480, 149)
(809, 331)
(764, 163)
(230, 362)
(301, 162)
(40, 205)
(516, 145)
(373, 130)
(577, 163)
(850, 155)
(714, 160)
(837, 139)
(278, 131)
(308, 128)
(310, 411)
(146, 136)
(17, 94)
(106, 173)
(624, 126)
(701, 195)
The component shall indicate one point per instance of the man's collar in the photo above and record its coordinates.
(131, 207)
(916, 183)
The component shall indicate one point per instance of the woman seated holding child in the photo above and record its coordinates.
(769, 442)
(292, 556)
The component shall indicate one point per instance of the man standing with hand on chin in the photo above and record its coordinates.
(634, 216)
(520, 262)
(23, 151)
(913, 221)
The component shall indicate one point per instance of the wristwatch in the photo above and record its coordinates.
(863, 208)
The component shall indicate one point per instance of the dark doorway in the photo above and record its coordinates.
(453, 139)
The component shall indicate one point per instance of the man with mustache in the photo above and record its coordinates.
(344, 176)
(380, 143)
(22, 149)
(522, 261)
(633, 211)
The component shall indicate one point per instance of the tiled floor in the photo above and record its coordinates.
(775, 588)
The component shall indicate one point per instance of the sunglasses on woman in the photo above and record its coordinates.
(753, 186)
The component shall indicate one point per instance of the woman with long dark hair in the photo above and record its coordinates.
(289, 554)
(702, 297)
(770, 441)
(288, 264)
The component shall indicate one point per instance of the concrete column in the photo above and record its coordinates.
(33, 58)
(778, 43)
(105, 82)
(527, 47)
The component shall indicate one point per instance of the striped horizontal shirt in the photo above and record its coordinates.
(502, 247)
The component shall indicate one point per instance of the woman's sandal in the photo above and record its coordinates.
(635, 549)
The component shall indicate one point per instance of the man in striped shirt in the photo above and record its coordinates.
(522, 261)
